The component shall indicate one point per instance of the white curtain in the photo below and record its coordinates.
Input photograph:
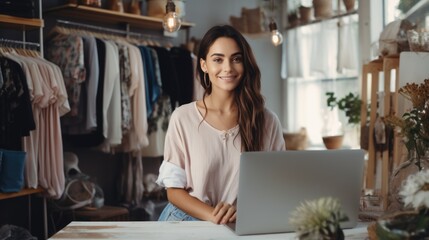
(319, 50)
(318, 58)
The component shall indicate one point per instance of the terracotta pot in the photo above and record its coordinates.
(349, 4)
(333, 142)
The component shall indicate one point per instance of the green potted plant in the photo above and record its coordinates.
(350, 104)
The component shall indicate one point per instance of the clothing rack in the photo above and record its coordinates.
(108, 30)
(16, 43)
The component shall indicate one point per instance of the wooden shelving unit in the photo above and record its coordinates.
(300, 24)
(23, 192)
(20, 23)
(106, 16)
(23, 25)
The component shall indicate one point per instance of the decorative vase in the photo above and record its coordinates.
(399, 175)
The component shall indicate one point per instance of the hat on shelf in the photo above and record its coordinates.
(71, 162)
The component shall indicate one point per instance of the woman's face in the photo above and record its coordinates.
(223, 64)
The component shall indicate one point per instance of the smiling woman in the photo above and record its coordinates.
(205, 138)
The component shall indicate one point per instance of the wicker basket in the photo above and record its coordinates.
(296, 140)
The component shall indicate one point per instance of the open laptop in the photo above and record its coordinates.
(273, 184)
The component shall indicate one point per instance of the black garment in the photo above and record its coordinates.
(16, 114)
(169, 78)
(182, 61)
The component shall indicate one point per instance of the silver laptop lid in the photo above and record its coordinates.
(273, 184)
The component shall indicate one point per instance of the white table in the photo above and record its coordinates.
(199, 230)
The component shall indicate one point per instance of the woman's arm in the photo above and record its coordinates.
(220, 214)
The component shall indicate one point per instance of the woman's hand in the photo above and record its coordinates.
(224, 213)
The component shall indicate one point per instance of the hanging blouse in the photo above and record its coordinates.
(67, 52)
(16, 115)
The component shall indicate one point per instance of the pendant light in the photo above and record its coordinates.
(276, 36)
(171, 21)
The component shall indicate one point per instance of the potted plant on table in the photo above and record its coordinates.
(350, 104)
(413, 222)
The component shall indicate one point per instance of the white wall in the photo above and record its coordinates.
(207, 13)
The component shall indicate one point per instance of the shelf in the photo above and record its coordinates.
(23, 192)
(20, 23)
(321, 20)
(81, 12)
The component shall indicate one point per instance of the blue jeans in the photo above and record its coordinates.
(172, 213)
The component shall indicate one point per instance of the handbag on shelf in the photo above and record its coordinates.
(11, 170)
(79, 190)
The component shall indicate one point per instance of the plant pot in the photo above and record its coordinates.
(349, 4)
(401, 225)
(333, 142)
(304, 14)
(322, 8)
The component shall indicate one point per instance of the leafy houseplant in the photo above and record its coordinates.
(350, 104)
(413, 129)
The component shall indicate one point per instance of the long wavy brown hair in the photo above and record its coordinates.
(248, 97)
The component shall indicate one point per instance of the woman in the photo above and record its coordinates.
(205, 138)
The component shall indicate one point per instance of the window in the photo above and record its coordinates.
(319, 58)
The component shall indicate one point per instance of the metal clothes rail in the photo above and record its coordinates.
(16, 43)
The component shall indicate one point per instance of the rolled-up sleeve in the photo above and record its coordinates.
(171, 175)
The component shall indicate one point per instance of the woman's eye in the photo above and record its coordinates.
(217, 60)
(237, 59)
